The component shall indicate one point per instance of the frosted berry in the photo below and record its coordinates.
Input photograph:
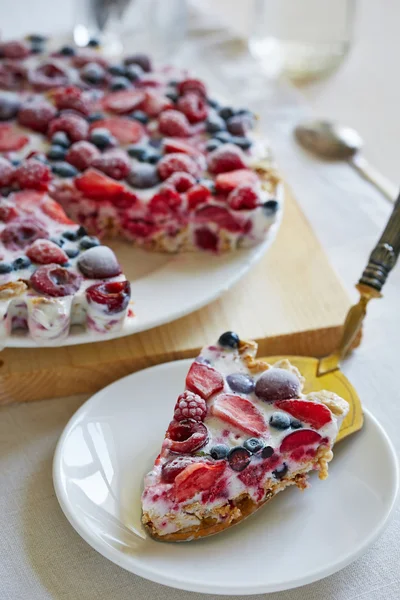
(114, 295)
(143, 60)
(181, 181)
(114, 163)
(33, 174)
(174, 123)
(192, 85)
(75, 126)
(99, 262)
(36, 114)
(6, 172)
(187, 436)
(190, 406)
(227, 157)
(46, 252)
(243, 198)
(55, 281)
(9, 105)
(277, 384)
(193, 106)
(176, 161)
(21, 233)
(82, 154)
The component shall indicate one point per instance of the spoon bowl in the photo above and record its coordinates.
(329, 140)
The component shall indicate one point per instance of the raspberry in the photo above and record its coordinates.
(198, 194)
(72, 98)
(36, 114)
(166, 201)
(171, 163)
(33, 175)
(243, 198)
(6, 172)
(181, 181)
(192, 85)
(45, 252)
(227, 157)
(8, 212)
(193, 106)
(82, 154)
(14, 49)
(114, 163)
(76, 127)
(190, 406)
(174, 123)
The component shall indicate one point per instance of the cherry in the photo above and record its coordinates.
(114, 295)
(187, 436)
(277, 384)
(55, 280)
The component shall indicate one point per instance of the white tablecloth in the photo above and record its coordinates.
(41, 556)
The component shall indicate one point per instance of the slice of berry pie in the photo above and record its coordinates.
(242, 432)
(128, 151)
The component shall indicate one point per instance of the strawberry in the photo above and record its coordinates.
(227, 157)
(227, 182)
(302, 437)
(204, 380)
(123, 101)
(167, 200)
(174, 123)
(171, 163)
(82, 154)
(6, 172)
(36, 114)
(173, 467)
(198, 194)
(195, 478)
(75, 126)
(219, 216)
(193, 106)
(28, 200)
(33, 174)
(125, 131)
(240, 413)
(171, 144)
(181, 181)
(96, 185)
(11, 140)
(314, 414)
(192, 85)
(243, 198)
(53, 210)
(154, 103)
(46, 252)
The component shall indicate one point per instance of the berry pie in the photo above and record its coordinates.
(242, 431)
(96, 149)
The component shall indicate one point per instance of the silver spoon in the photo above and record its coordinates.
(330, 140)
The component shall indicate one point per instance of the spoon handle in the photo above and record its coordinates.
(386, 187)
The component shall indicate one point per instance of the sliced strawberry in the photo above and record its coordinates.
(172, 144)
(123, 102)
(10, 139)
(204, 380)
(154, 103)
(46, 252)
(220, 216)
(314, 414)
(240, 412)
(28, 200)
(195, 478)
(53, 210)
(98, 186)
(302, 437)
(125, 131)
(226, 182)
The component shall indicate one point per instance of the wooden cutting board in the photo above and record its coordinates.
(291, 302)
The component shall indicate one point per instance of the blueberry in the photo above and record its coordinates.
(56, 153)
(267, 452)
(213, 103)
(119, 83)
(60, 138)
(96, 116)
(173, 96)
(67, 51)
(279, 420)
(214, 124)
(239, 458)
(156, 142)
(81, 231)
(16, 162)
(88, 242)
(280, 472)
(64, 169)
(9, 106)
(6, 191)
(93, 43)
(140, 116)
(240, 382)
(229, 339)
(101, 137)
(116, 69)
(212, 144)
(144, 153)
(143, 176)
(72, 252)
(139, 59)
(71, 236)
(270, 207)
(5, 268)
(243, 142)
(295, 424)
(133, 72)
(253, 445)
(59, 241)
(226, 112)
(219, 451)
(223, 136)
(92, 73)
(37, 48)
(239, 124)
(21, 263)
(36, 38)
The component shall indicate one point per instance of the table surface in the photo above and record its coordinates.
(41, 556)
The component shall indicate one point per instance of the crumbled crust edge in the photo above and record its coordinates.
(239, 508)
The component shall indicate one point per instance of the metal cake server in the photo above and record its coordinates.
(325, 373)
(330, 140)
